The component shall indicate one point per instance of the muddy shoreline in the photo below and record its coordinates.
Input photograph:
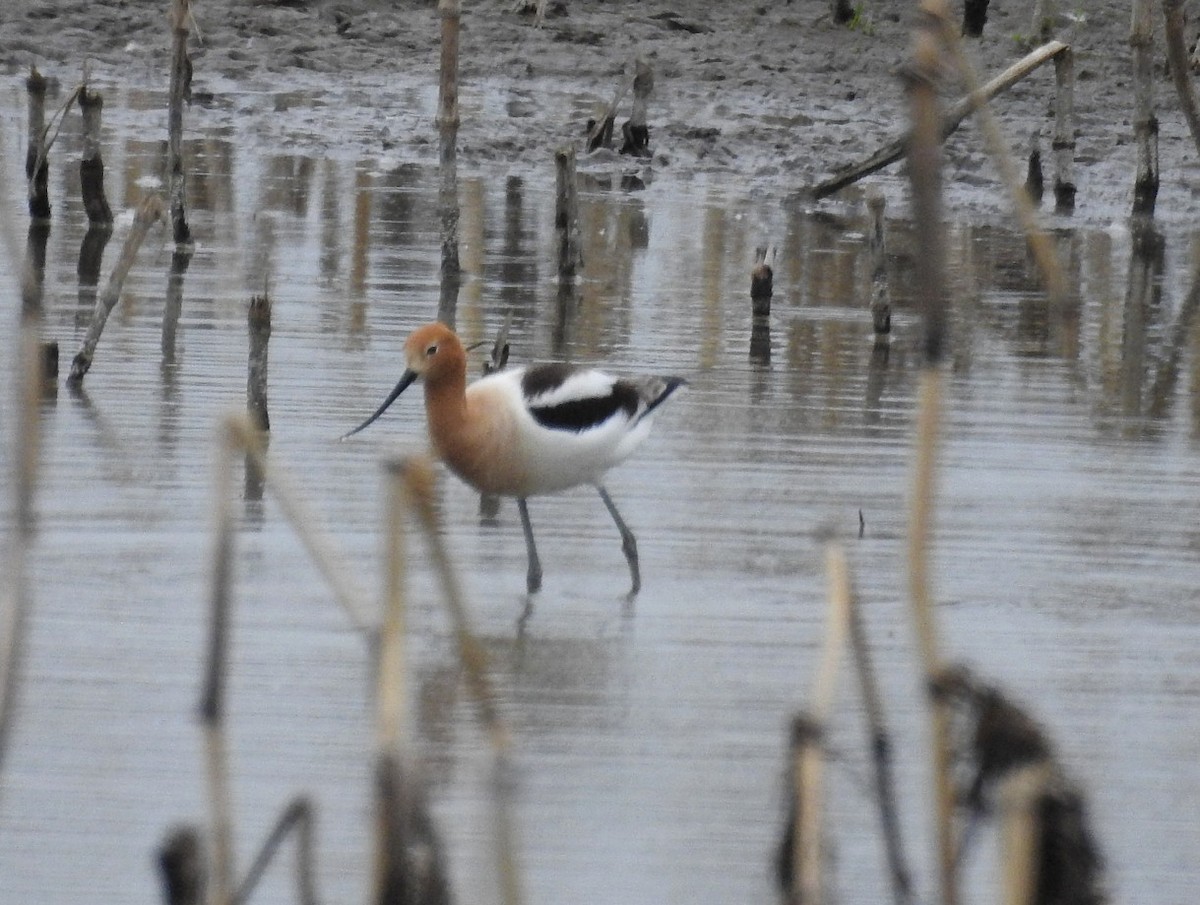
(763, 99)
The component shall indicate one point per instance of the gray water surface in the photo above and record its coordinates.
(649, 740)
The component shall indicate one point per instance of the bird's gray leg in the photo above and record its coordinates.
(533, 579)
(628, 541)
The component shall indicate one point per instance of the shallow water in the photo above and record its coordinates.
(649, 740)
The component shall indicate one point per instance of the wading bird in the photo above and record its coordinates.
(528, 431)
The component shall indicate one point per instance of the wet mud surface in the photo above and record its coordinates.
(766, 98)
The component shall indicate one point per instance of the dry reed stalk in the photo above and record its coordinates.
(91, 164)
(179, 88)
(148, 213)
(296, 816)
(925, 175)
(14, 590)
(566, 215)
(950, 121)
(391, 686)
(305, 523)
(447, 119)
(1145, 122)
(1020, 841)
(408, 862)
(799, 856)
(881, 748)
(234, 434)
(419, 478)
(809, 885)
(391, 694)
(1181, 71)
(212, 701)
(1039, 243)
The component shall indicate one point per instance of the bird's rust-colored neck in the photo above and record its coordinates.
(446, 403)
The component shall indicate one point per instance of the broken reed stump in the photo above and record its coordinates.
(762, 281)
(880, 299)
(91, 165)
(180, 87)
(212, 699)
(566, 215)
(37, 163)
(925, 175)
(1145, 122)
(1064, 131)
(796, 852)
(409, 865)
(149, 213)
(1035, 180)
(447, 119)
(1177, 57)
(974, 17)
(259, 318)
(24, 459)
(635, 133)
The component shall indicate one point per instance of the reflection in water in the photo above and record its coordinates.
(330, 260)
(91, 254)
(33, 287)
(760, 340)
(172, 310)
(360, 249)
(1142, 313)
(169, 421)
(641, 743)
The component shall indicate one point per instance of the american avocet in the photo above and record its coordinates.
(528, 431)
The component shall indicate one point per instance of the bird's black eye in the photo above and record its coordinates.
(431, 351)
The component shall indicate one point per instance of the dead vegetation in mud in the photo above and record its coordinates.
(772, 96)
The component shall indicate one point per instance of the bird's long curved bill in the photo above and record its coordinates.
(409, 377)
